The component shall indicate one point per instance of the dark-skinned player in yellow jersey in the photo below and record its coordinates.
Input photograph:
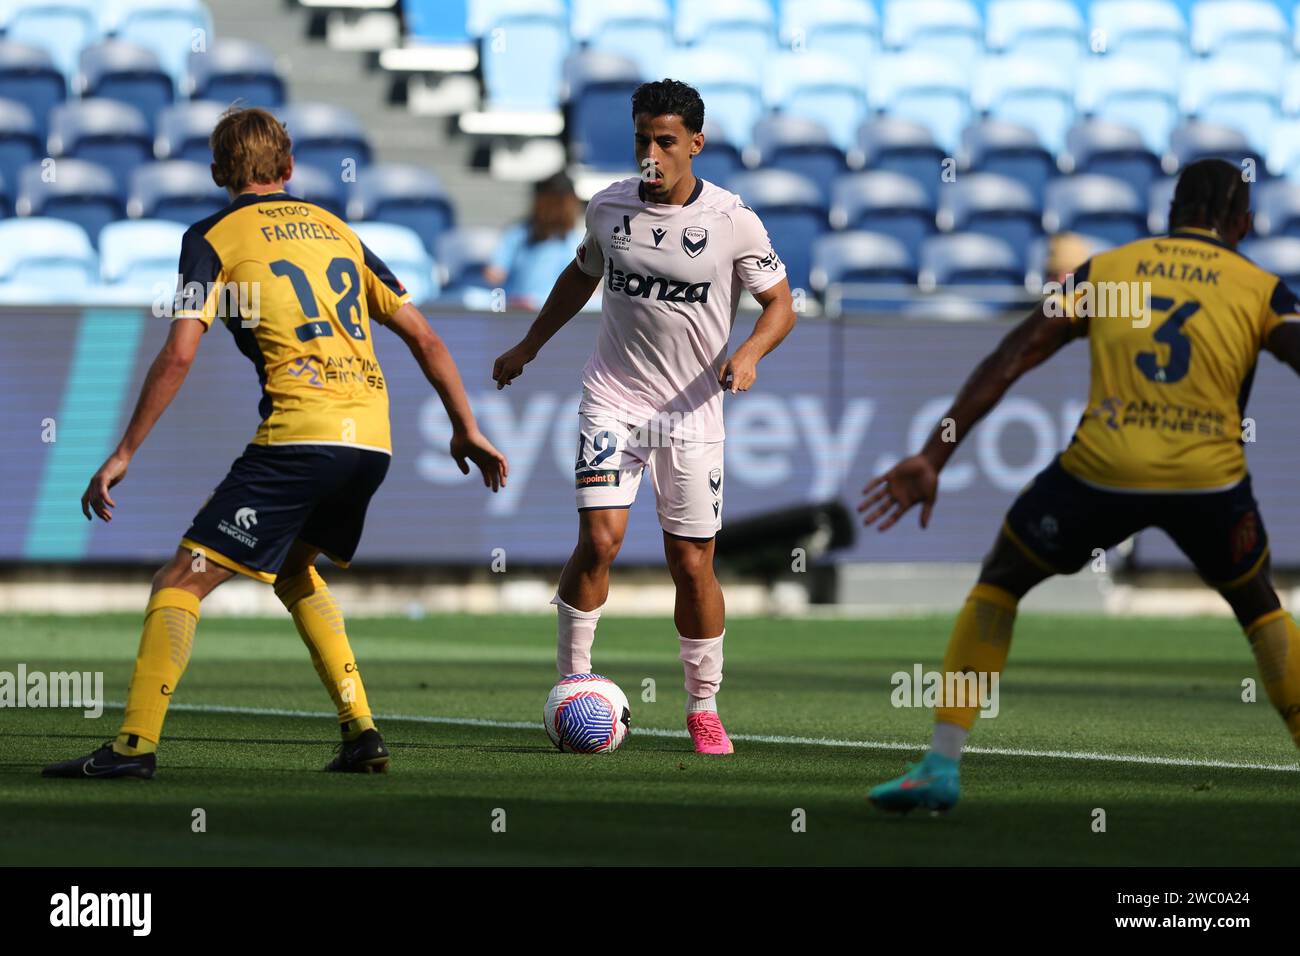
(1159, 445)
(306, 293)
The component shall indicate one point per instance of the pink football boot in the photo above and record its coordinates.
(707, 732)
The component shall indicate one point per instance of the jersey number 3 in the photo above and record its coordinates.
(1170, 333)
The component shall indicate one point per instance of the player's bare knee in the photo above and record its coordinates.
(599, 546)
(689, 563)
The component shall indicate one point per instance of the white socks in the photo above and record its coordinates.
(702, 662)
(948, 739)
(576, 633)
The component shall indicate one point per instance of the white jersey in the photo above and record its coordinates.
(672, 280)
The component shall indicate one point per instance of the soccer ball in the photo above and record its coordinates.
(587, 714)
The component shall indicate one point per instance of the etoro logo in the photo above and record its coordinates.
(246, 518)
(669, 290)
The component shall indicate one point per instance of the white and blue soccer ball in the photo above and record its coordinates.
(587, 714)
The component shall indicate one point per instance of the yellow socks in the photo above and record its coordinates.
(165, 645)
(979, 644)
(1275, 641)
(320, 623)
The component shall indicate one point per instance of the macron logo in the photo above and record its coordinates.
(75, 909)
(246, 518)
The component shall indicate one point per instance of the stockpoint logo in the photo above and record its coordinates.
(917, 688)
(605, 478)
(669, 290)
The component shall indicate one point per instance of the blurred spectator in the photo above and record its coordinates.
(1066, 251)
(533, 253)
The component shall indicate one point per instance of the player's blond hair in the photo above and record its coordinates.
(249, 146)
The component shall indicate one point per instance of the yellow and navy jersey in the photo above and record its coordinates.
(1170, 381)
(297, 289)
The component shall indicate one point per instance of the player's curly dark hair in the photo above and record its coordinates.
(670, 97)
(1209, 192)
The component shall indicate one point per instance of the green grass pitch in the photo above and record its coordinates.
(1127, 688)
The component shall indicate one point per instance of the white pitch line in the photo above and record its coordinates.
(751, 738)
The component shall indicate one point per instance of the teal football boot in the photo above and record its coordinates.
(931, 784)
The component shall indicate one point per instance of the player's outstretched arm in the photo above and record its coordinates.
(435, 360)
(570, 293)
(1284, 342)
(916, 479)
(161, 384)
(740, 371)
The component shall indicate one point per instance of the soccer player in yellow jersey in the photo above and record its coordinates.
(1159, 445)
(299, 293)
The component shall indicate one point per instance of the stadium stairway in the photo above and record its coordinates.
(318, 73)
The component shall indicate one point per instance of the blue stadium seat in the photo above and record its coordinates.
(1238, 95)
(599, 122)
(970, 259)
(112, 134)
(523, 71)
(729, 85)
(793, 211)
(1111, 149)
(60, 27)
(406, 195)
(879, 268)
(946, 307)
(994, 206)
(801, 146)
(317, 186)
(1194, 140)
(403, 251)
(141, 254)
(116, 70)
(1284, 150)
(28, 76)
(849, 29)
(926, 89)
(1277, 206)
(820, 87)
(949, 29)
(745, 27)
(437, 21)
(462, 254)
(326, 136)
(1130, 91)
(185, 128)
(1048, 30)
(82, 192)
(1033, 92)
(175, 190)
(1252, 31)
(1096, 205)
(52, 255)
(720, 159)
(170, 28)
(884, 202)
(232, 69)
(640, 30)
(902, 146)
(1280, 256)
(1008, 149)
(1149, 31)
(19, 145)
(1159, 196)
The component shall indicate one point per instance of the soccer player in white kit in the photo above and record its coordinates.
(673, 253)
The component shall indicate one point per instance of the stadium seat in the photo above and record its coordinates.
(590, 17)
(115, 70)
(947, 29)
(1149, 31)
(992, 205)
(884, 202)
(926, 89)
(640, 30)
(175, 190)
(523, 72)
(319, 187)
(745, 27)
(141, 254)
(902, 146)
(462, 254)
(1111, 149)
(793, 211)
(1096, 205)
(437, 21)
(63, 28)
(879, 269)
(599, 86)
(969, 259)
(28, 76)
(326, 136)
(169, 28)
(1284, 150)
(52, 255)
(1280, 256)
(19, 144)
(801, 146)
(232, 69)
(185, 128)
(1132, 92)
(1239, 95)
(1051, 31)
(720, 159)
(1192, 141)
(1008, 149)
(1032, 92)
(849, 29)
(406, 195)
(950, 308)
(112, 134)
(402, 250)
(1159, 196)
(81, 192)
(820, 87)
(1277, 206)
(1251, 31)
(729, 85)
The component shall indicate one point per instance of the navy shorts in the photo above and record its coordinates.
(1059, 521)
(276, 494)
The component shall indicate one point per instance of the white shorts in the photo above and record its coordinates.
(687, 475)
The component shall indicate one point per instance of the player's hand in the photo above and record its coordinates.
(891, 495)
(739, 372)
(475, 447)
(96, 498)
(510, 365)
